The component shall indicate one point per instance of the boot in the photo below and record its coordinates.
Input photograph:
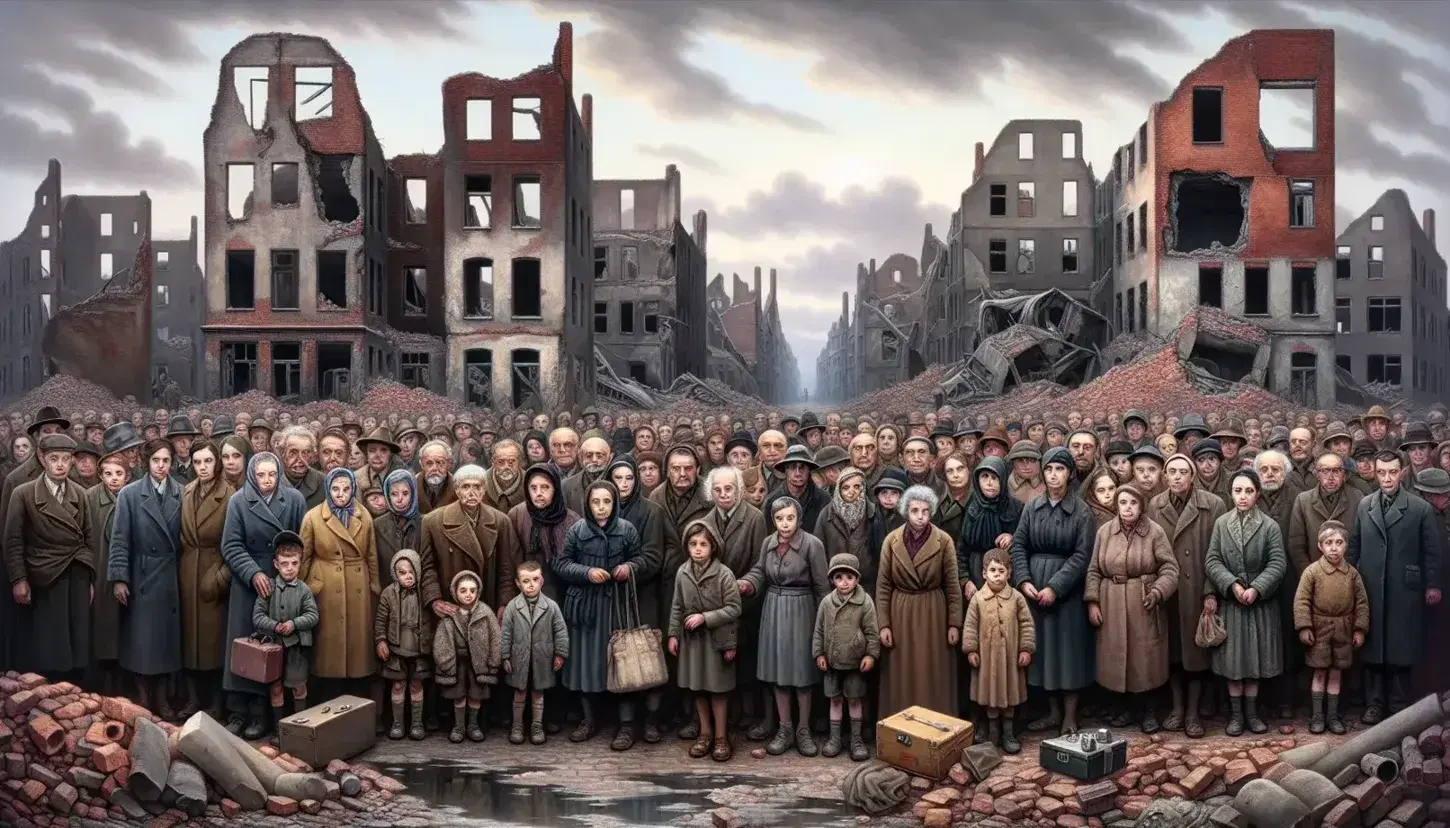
(193, 699)
(1053, 719)
(1010, 745)
(516, 731)
(979, 729)
(397, 731)
(994, 731)
(762, 729)
(805, 743)
(1336, 724)
(1235, 726)
(859, 753)
(1397, 690)
(278, 714)
(256, 728)
(1149, 723)
(651, 733)
(1374, 710)
(456, 734)
(536, 733)
(784, 739)
(475, 730)
(416, 731)
(1251, 715)
(235, 723)
(1316, 712)
(833, 745)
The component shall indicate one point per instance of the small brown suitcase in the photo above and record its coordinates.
(338, 729)
(258, 658)
(921, 741)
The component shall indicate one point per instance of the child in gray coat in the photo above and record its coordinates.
(289, 614)
(535, 644)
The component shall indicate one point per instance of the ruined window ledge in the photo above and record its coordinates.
(1208, 143)
(286, 310)
(476, 227)
(332, 310)
(518, 318)
(241, 310)
(527, 227)
(1305, 315)
(1258, 315)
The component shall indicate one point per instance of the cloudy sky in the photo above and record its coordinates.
(817, 133)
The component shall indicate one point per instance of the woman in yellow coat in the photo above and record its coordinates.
(340, 565)
(205, 578)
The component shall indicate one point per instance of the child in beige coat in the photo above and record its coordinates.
(999, 639)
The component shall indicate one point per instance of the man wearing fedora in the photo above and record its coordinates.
(795, 472)
(181, 432)
(381, 452)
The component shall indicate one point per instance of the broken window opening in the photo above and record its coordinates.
(1129, 245)
(1385, 368)
(1210, 212)
(478, 377)
(479, 213)
(1026, 199)
(44, 267)
(1143, 226)
(626, 317)
(108, 266)
(1304, 293)
(163, 297)
(626, 209)
(998, 200)
(287, 371)
(334, 371)
(46, 307)
(1143, 305)
(997, 256)
(528, 119)
(240, 180)
(1129, 163)
(1210, 285)
(1132, 308)
(1377, 223)
(1118, 311)
(1118, 242)
(415, 291)
(415, 195)
(526, 288)
(1207, 115)
(630, 262)
(479, 117)
(651, 317)
(1304, 378)
(1384, 314)
(639, 372)
(414, 369)
(1024, 146)
(239, 368)
(1376, 262)
(528, 192)
(331, 279)
(251, 85)
(1230, 360)
(338, 202)
(286, 294)
(890, 346)
(1069, 256)
(1301, 204)
(45, 231)
(312, 91)
(478, 288)
(284, 184)
(1286, 115)
(1069, 146)
(163, 257)
(525, 363)
(1256, 290)
(106, 224)
(1026, 256)
(601, 317)
(1069, 199)
(1343, 315)
(601, 263)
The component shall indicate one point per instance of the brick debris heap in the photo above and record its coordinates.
(72, 758)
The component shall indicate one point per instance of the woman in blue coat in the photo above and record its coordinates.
(255, 515)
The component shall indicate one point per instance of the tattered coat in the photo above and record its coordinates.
(714, 594)
(500, 499)
(340, 565)
(1189, 531)
(532, 638)
(1248, 552)
(476, 634)
(205, 579)
(1127, 565)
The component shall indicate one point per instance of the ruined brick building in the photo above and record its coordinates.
(70, 250)
(649, 281)
(870, 347)
(747, 346)
(1389, 301)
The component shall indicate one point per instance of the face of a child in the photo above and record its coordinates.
(699, 546)
(376, 503)
(889, 499)
(1332, 547)
(400, 495)
(996, 575)
(466, 593)
(601, 504)
(845, 582)
(530, 582)
(287, 565)
(403, 572)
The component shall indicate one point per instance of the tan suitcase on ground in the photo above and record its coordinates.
(921, 741)
(338, 729)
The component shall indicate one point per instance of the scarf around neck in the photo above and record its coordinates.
(342, 513)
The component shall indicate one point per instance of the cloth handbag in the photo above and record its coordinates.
(636, 660)
(258, 658)
(1211, 631)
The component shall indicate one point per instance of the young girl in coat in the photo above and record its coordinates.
(999, 638)
(466, 655)
(403, 630)
(702, 629)
(535, 644)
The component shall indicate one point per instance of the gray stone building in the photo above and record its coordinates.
(178, 307)
(727, 364)
(749, 351)
(1392, 326)
(872, 345)
(649, 281)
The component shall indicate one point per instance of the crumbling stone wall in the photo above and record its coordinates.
(107, 339)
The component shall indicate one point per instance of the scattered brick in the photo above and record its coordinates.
(1238, 773)
(14, 765)
(1007, 809)
(1263, 757)
(230, 808)
(1060, 790)
(31, 791)
(63, 797)
(47, 734)
(85, 778)
(21, 702)
(1128, 780)
(941, 818)
(1051, 808)
(1072, 821)
(1411, 813)
(1133, 807)
(74, 710)
(281, 806)
(1276, 772)
(1198, 780)
(45, 776)
(110, 758)
(312, 806)
(30, 681)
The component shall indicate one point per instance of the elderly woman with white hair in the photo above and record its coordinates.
(918, 609)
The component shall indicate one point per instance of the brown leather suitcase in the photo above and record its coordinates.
(338, 729)
(258, 658)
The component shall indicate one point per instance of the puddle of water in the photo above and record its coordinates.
(493, 797)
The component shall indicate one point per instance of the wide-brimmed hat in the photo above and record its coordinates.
(1433, 481)
(1191, 422)
(1375, 412)
(120, 437)
(260, 423)
(1418, 434)
(1336, 431)
(810, 421)
(382, 436)
(796, 454)
(223, 424)
(180, 425)
(997, 433)
(47, 415)
(1232, 429)
(830, 456)
(846, 562)
(1024, 450)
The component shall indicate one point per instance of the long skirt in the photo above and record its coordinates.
(1066, 657)
(787, 622)
(702, 666)
(586, 670)
(56, 627)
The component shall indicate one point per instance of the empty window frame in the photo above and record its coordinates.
(286, 370)
(651, 317)
(1304, 378)
(1026, 256)
(528, 119)
(1286, 115)
(1384, 314)
(1343, 261)
(1207, 115)
(526, 374)
(1256, 290)
(526, 289)
(1069, 199)
(313, 92)
(997, 201)
(415, 200)
(108, 266)
(415, 291)
(241, 278)
(478, 377)
(997, 256)
(1129, 245)
(1210, 285)
(528, 192)
(45, 231)
(1069, 146)
(285, 292)
(250, 83)
(1024, 146)
(1343, 315)
(1069, 256)
(1143, 226)
(601, 317)
(163, 257)
(1304, 291)
(1132, 307)
(1376, 223)
(626, 317)
(241, 178)
(331, 279)
(601, 263)
(106, 224)
(1385, 368)
(1026, 199)
(629, 261)
(479, 116)
(284, 183)
(626, 209)
(478, 288)
(413, 369)
(1301, 203)
(1376, 262)
(1143, 304)
(479, 211)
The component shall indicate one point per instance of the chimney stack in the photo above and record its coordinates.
(774, 297)
(587, 116)
(977, 166)
(872, 270)
(701, 230)
(845, 304)
(1428, 225)
(757, 285)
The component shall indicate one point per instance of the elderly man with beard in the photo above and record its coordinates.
(299, 448)
(595, 456)
(564, 452)
(332, 450)
(503, 487)
(435, 480)
(1276, 501)
(772, 445)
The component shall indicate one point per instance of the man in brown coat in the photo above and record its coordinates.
(741, 529)
(503, 486)
(1330, 500)
(50, 564)
(435, 477)
(468, 535)
(1276, 500)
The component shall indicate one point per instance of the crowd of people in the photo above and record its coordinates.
(1145, 564)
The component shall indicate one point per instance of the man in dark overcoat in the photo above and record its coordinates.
(181, 432)
(50, 565)
(145, 575)
(1395, 544)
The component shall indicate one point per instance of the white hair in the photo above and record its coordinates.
(468, 472)
(724, 471)
(435, 444)
(297, 431)
(918, 494)
(1270, 455)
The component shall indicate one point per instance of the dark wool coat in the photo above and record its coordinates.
(919, 598)
(523, 524)
(1308, 514)
(865, 543)
(675, 514)
(593, 611)
(48, 543)
(740, 538)
(311, 487)
(1189, 531)
(105, 610)
(532, 639)
(814, 502)
(655, 536)
(500, 499)
(449, 545)
(1397, 549)
(949, 515)
(392, 534)
(1051, 548)
(205, 579)
(251, 526)
(1252, 556)
(145, 553)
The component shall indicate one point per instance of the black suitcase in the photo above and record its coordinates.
(1089, 755)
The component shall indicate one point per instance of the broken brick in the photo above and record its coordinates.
(122, 709)
(281, 806)
(1366, 792)
(1263, 757)
(1410, 813)
(1238, 773)
(63, 797)
(1198, 780)
(45, 776)
(31, 792)
(74, 710)
(1343, 815)
(110, 758)
(21, 702)
(47, 734)
(103, 733)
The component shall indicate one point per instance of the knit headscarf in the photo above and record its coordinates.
(536, 436)
(625, 462)
(342, 513)
(543, 521)
(399, 476)
(613, 512)
(851, 514)
(242, 447)
(989, 517)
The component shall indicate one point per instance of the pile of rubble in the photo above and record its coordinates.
(71, 756)
(69, 394)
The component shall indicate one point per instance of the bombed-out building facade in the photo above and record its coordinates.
(747, 348)
(1392, 327)
(872, 345)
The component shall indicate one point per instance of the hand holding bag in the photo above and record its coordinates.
(1211, 631)
(257, 658)
(636, 660)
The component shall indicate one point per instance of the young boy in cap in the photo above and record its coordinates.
(289, 614)
(846, 647)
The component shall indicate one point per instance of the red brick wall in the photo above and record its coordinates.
(108, 338)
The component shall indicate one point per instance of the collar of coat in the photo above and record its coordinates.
(1068, 502)
(857, 596)
(1327, 568)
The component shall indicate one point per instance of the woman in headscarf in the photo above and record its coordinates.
(1100, 492)
(1050, 553)
(655, 590)
(340, 565)
(990, 518)
(536, 447)
(596, 567)
(398, 526)
(255, 515)
(851, 525)
(542, 521)
(1129, 581)
(957, 475)
(205, 579)
(233, 463)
